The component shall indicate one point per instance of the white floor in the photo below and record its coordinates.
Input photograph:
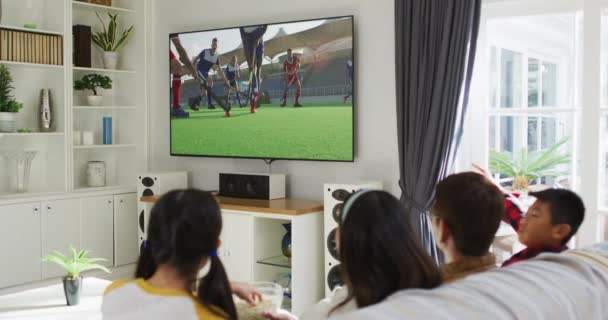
(46, 300)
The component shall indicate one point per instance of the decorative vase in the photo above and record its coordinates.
(71, 288)
(110, 59)
(46, 121)
(22, 164)
(96, 174)
(286, 242)
(94, 100)
(7, 122)
(107, 130)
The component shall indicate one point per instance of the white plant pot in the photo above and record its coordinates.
(7, 121)
(110, 59)
(94, 100)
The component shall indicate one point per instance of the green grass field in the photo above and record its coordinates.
(315, 132)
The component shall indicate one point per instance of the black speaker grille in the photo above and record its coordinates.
(332, 244)
(333, 277)
(340, 194)
(147, 182)
(142, 222)
(244, 186)
(337, 212)
(147, 193)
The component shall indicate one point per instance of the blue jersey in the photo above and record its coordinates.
(207, 61)
(251, 36)
(231, 71)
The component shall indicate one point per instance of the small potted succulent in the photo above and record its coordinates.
(8, 105)
(93, 82)
(108, 41)
(74, 265)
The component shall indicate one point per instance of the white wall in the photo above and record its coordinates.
(376, 140)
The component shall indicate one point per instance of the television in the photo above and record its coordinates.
(279, 91)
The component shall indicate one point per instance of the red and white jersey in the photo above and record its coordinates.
(290, 67)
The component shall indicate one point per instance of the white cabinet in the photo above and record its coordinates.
(20, 243)
(60, 230)
(236, 250)
(97, 227)
(125, 229)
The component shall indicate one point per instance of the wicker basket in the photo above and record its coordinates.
(100, 2)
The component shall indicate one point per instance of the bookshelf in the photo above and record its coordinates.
(60, 166)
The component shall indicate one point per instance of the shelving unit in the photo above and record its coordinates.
(60, 166)
(276, 261)
(97, 7)
(31, 30)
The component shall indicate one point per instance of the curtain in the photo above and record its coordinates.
(435, 51)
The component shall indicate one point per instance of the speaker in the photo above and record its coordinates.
(155, 184)
(334, 195)
(252, 185)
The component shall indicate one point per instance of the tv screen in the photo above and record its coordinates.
(270, 91)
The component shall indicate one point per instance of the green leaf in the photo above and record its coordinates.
(76, 263)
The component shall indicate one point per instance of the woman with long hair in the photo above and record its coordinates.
(379, 255)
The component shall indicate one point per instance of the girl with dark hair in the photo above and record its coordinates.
(379, 255)
(183, 237)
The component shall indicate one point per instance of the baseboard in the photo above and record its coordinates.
(122, 272)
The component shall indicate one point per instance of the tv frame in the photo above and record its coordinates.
(354, 95)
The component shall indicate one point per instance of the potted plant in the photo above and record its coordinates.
(92, 82)
(528, 166)
(108, 40)
(74, 265)
(8, 105)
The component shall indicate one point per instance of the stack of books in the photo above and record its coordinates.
(30, 47)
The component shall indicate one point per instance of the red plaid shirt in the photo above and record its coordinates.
(513, 217)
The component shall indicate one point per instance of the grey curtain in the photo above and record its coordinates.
(435, 50)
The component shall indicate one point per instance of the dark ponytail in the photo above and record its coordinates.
(146, 266)
(184, 230)
(212, 288)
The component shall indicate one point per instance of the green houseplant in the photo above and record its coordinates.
(8, 105)
(93, 82)
(528, 166)
(109, 41)
(74, 265)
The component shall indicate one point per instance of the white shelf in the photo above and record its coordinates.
(104, 107)
(30, 134)
(105, 146)
(93, 7)
(107, 188)
(42, 31)
(103, 70)
(33, 65)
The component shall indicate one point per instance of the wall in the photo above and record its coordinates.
(376, 147)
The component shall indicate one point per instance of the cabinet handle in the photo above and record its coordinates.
(35, 209)
(49, 208)
(121, 201)
(109, 201)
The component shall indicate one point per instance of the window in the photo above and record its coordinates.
(531, 88)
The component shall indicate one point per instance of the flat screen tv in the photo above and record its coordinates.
(269, 91)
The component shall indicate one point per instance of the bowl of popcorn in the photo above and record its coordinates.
(272, 298)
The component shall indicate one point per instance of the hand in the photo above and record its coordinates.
(281, 315)
(485, 172)
(246, 292)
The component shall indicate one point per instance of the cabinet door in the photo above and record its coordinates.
(125, 229)
(60, 230)
(97, 228)
(20, 243)
(236, 251)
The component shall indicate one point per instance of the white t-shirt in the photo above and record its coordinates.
(322, 309)
(131, 300)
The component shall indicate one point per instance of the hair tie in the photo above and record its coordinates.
(146, 244)
(349, 202)
(213, 253)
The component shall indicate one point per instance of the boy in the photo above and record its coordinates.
(465, 217)
(548, 225)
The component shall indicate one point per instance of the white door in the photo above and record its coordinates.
(20, 243)
(60, 230)
(236, 251)
(97, 228)
(125, 229)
